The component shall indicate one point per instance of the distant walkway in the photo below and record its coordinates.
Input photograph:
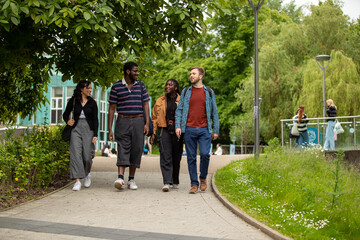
(103, 212)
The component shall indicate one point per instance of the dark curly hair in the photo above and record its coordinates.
(77, 91)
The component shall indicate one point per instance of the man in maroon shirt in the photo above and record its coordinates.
(193, 117)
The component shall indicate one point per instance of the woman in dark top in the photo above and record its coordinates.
(329, 138)
(300, 118)
(84, 133)
(163, 118)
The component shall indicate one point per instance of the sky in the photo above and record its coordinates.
(350, 8)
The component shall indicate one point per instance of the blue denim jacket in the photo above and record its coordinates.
(182, 110)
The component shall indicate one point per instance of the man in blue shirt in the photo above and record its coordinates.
(196, 109)
(126, 99)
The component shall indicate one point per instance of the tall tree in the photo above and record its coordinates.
(276, 81)
(232, 48)
(342, 84)
(290, 9)
(352, 44)
(326, 28)
(289, 75)
(84, 40)
(224, 51)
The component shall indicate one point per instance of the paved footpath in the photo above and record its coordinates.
(103, 212)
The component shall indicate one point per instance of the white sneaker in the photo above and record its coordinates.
(77, 186)
(175, 186)
(165, 188)
(132, 185)
(119, 183)
(87, 181)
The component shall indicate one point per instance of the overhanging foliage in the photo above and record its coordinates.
(84, 40)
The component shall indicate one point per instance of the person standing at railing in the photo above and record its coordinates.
(300, 119)
(219, 150)
(329, 138)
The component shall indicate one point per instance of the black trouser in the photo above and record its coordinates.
(170, 156)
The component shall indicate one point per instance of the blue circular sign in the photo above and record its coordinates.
(313, 135)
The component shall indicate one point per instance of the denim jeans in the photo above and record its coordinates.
(302, 140)
(193, 136)
(329, 138)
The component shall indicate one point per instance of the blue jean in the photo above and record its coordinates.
(193, 136)
(329, 138)
(302, 139)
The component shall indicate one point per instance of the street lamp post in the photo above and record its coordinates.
(321, 61)
(256, 9)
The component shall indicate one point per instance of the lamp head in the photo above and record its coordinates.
(321, 59)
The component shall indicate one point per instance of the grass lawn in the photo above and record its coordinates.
(299, 193)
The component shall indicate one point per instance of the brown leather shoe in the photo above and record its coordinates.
(203, 184)
(193, 189)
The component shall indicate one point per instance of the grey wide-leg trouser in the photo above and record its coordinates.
(129, 135)
(81, 148)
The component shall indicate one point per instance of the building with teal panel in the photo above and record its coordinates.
(58, 95)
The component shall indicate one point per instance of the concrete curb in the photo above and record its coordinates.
(265, 229)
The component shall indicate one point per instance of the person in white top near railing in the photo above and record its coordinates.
(329, 138)
(219, 150)
(300, 119)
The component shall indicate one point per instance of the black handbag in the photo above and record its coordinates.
(151, 127)
(66, 133)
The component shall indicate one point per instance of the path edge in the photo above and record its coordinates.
(38, 198)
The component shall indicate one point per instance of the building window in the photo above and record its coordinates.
(56, 105)
(69, 93)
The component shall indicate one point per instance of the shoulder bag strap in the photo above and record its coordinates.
(72, 111)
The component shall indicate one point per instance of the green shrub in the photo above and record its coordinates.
(34, 160)
(274, 145)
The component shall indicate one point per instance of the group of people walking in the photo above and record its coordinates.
(189, 117)
(301, 120)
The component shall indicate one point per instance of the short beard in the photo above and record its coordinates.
(193, 83)
(132, 78)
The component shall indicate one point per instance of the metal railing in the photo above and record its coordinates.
(321, 122)
(240, 149)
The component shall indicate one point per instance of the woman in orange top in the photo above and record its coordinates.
(163, 119)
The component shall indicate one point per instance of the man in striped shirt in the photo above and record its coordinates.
(126, 98)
